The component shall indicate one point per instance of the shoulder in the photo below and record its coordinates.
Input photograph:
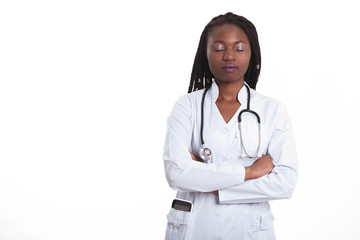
(188, 103)
(273, 110)
(195, 96)
(262, 100)
(190, 99)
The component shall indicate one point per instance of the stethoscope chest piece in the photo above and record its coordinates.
(205, 153)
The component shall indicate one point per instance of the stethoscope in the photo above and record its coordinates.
(205, 152)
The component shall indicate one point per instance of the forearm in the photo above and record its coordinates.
(200, 177)
(259, 168)
(276, 185)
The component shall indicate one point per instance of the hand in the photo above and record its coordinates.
(259, 168)
(196, 158)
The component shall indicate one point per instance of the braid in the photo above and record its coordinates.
(201, 76)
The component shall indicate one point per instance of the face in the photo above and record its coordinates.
(228, 52)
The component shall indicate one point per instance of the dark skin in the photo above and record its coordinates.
(228, 54)
(228, 45)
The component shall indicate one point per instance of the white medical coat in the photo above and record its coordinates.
(241, 209)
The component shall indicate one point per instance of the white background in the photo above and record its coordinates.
(86, 87)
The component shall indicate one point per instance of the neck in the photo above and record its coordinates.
(229, 91)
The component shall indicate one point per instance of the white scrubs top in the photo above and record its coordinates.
(241, 209)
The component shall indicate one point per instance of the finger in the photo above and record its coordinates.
(194, 157)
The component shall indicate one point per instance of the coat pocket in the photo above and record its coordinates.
(266, 220)
(263, 227)
(178, 225)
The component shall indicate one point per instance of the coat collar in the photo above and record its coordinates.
(242, 94)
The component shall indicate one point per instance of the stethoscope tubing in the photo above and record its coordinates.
(205, 153)
(202, 116)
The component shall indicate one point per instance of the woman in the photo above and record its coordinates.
(226, 166)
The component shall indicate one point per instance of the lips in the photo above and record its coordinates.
(229, 68)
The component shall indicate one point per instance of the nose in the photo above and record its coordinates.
(228, 55)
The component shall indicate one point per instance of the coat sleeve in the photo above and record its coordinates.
(280, 183)
(183, 173)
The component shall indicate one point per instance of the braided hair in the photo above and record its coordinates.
(201, 76)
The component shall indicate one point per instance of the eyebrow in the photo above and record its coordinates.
(219, 41)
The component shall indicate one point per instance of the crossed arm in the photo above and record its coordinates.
(273, 176)
(259, 168)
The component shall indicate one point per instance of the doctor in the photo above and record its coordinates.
(230, 191)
